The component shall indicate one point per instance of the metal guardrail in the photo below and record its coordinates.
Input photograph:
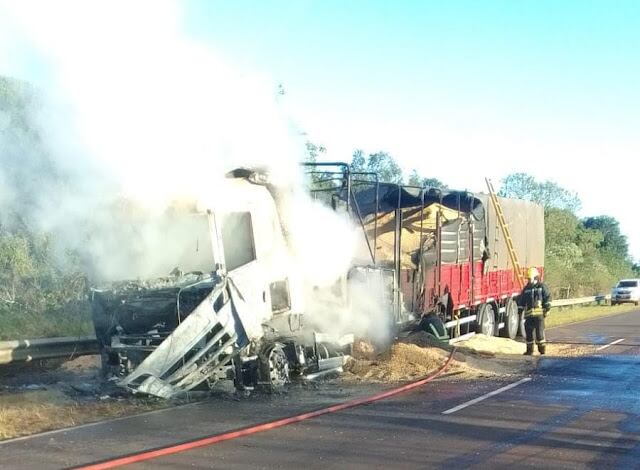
(26, 350)
(579, 301)
(560, 303)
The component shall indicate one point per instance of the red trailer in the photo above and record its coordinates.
(444, 250)
(450, 255)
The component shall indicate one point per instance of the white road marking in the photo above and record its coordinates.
(610, 344)
(484, 397)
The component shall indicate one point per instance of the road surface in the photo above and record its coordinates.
(572, 413)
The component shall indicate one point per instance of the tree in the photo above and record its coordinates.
(613, 240)
(313, 151)
(572, 257)
(42, 289)
(416, 180)
(560, 227)
(546, 193)
(16, 264)
(359, 161)
(381, 163)
(26, 168)
(318, 182)
(586, 256)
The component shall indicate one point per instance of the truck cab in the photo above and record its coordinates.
(231, 306)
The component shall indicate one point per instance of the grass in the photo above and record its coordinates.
(32, 412)
(567, 315)
(29, 325)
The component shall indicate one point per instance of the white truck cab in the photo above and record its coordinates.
(231, 308)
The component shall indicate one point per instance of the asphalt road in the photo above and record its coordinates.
(571, 413)
(603, 331)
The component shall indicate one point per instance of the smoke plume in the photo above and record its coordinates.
(131, 115)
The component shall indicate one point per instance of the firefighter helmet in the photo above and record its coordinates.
(532, 274)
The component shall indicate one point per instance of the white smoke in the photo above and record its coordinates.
(155, 110)
(135, 110)
(323, 241)
(138, 111)
(356, 306)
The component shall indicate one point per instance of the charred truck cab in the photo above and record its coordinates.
(231, 309)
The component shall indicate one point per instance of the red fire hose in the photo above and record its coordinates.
(207, 441)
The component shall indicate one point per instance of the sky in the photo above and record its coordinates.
(458, 90)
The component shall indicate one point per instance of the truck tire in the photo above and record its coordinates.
(511, 320)
(273, 369)
(432, 324)
(485, 320)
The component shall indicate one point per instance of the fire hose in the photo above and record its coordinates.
(254, 429)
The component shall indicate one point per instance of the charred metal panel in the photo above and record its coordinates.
(204, 341)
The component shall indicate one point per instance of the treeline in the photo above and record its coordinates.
(583, 256)
(381, 163)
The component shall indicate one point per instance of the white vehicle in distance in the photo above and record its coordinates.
(627, 290)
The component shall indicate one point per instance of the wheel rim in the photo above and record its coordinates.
(278, 368)
(491, 322)
(488, 321)
(512, 318)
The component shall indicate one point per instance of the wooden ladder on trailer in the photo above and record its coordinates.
(513, 256)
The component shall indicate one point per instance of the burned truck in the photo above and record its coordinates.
(231, 308)
(234, 308)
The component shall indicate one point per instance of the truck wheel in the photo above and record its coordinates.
(511, 320)
(432, 324)
(274, 369)
(485, 320)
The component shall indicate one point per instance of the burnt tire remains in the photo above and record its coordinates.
(274, 369)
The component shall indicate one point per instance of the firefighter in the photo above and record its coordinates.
(535, 301)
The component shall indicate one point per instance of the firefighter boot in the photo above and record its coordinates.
(542, 348)
(529, 351)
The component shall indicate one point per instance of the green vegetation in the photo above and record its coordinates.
(416, 180)
(380, 162)
(389, 171)
(42, 291)
(559, 317)
(583, 257)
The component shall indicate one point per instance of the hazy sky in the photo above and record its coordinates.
(459, 90)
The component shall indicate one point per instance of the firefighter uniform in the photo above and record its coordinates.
(535, 301)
